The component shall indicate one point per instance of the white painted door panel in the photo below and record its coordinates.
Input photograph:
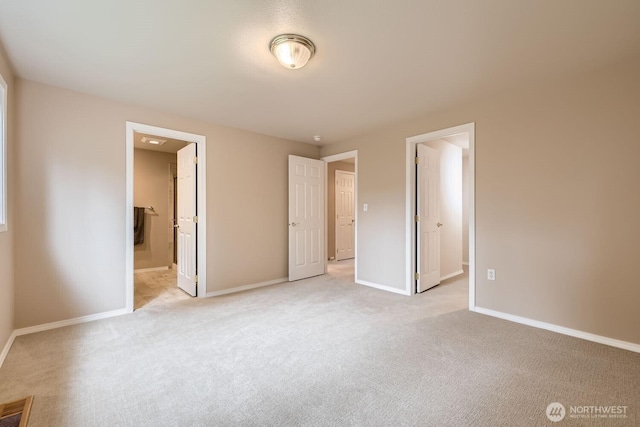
(345, 215)
(187, 244)
(306, 218)
(428, 226)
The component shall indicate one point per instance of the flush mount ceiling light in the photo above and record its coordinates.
(293, 51)
(153, 141)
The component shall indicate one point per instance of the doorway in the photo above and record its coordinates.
(440, 195)
(158, 210)
(155, 199)
(341, 205)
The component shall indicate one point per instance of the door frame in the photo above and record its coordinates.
(201, 180)
(410, 224)
(335, 204)
(336, 158)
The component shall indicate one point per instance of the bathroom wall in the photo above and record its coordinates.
(152, 180)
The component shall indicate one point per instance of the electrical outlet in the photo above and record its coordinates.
(491, 274)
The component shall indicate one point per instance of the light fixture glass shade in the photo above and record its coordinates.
(293, 51)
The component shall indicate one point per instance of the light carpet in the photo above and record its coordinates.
(317, 352)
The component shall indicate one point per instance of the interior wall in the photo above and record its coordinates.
(331, 202)
(450, 206)
(465, 207)
(556, 207)
(71, 194)
(152, 177)
(6, 237)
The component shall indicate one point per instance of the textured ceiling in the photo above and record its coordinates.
(376, 63)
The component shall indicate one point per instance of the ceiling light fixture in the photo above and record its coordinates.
(317, 138)
(293, 51)
(153, 141)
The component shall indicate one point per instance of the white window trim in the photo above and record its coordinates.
(3, 154)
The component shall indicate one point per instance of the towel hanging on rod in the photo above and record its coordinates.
(138, 226)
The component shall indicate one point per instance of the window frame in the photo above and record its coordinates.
(3, 154)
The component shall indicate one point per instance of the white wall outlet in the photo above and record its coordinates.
(365, 207)
(491, 274)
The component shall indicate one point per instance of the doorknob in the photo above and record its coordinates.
(176, 226)
(293, 224)
(439, 225)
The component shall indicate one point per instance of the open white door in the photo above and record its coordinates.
(187, 220)
(345, 215)
(428, 221)
(306, 217)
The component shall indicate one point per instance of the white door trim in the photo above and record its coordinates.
(335, 158)
(200, 140)
(410, 205)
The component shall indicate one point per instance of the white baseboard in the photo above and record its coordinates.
(465, 263)
(69, 322)
(146, 270)
(246, 287)
(55, 325)
(382, 287)
(561, 330)
(7, 347)
(454, 274)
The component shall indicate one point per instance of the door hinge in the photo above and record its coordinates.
(195, 160)
(416, 276)
(417, 218)
(195, 219)
(417, 160)
(195, 278)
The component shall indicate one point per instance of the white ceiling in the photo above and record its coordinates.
(170, 145)
(377, 62)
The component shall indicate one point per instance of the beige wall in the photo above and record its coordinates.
(450, 206)
(6, 237)
(465, 208)
(152, 178)
(331, 202)
(557, 203)
(71, 198)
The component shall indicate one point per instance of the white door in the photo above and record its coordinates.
(345, 215)
(428, 224)
(306, 218)
(187, 252)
